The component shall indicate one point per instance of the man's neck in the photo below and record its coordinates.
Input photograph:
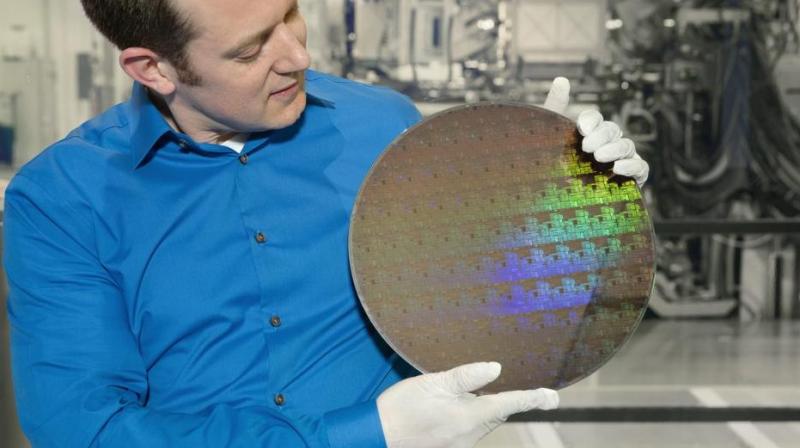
(201, 137)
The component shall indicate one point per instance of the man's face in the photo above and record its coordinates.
(250, 56)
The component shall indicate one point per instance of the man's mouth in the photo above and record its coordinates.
(287, 89)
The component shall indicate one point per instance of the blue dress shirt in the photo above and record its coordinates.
(166, 292)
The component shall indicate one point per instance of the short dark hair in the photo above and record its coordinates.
(152, 24)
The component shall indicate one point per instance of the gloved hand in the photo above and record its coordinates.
(437, 409)
(602, 138)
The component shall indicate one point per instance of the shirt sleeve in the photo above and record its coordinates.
(78, 376)
(356, 426)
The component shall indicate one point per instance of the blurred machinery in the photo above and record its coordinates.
(696, 83)
(456, 50)
(55, 72)
(26, 97)
(705, 87)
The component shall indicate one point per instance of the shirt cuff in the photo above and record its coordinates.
(357, 426)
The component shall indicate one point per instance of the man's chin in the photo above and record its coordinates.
(287, 115)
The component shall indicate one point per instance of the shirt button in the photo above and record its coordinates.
(275, 321)
(279, 399)
(261, 238)
(183, 144)
(243, 159)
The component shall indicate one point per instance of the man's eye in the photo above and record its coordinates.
(248, 57)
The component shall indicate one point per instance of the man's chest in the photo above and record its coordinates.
(225, 239)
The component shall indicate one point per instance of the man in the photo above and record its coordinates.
(178, 264)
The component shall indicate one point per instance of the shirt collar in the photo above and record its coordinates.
(316, 90)
(147, 123)
(149, 126)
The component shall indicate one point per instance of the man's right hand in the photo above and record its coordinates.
(437, 409)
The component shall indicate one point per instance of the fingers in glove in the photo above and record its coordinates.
(468, 377)
(621, 149)
(558, 96)
(505, 404)
(588, 121)
(605, 133)
(634, 167)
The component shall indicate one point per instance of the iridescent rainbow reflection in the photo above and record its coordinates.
(485, 234)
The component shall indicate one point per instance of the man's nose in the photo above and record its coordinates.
(292, 55)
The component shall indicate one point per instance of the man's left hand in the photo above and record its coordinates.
(601, 138)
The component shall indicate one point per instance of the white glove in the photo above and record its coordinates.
(437, 409)
(602, 138)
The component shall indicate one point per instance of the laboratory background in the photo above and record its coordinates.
(708, 89)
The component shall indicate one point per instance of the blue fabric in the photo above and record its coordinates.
(355, 427)
(141, 300)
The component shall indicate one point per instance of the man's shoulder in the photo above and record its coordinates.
(357, 99)
(84, 155)
(369, 117)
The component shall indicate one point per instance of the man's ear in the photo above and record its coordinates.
(149, 69)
